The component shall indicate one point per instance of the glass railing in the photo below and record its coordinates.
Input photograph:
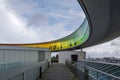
(89, 70)
(8, 66)
(16, 70)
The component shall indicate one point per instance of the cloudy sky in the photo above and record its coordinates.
(108, 49)
(30, 21)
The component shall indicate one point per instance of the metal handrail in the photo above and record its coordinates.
(100, 62)
(110, 75)
(84, 64)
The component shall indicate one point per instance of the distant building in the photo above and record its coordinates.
(106, 59)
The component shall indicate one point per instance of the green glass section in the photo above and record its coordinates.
(73, 40)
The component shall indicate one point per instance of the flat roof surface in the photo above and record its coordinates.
(23, 48)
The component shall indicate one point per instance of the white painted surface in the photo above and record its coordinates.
(48, 56)
(22, 55)
(1, 56)
(6, 57)
(10, 56)
(66, 55)
(16, 55)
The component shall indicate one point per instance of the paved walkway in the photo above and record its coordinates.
(57, 72)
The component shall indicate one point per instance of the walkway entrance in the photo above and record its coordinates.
(57, 72)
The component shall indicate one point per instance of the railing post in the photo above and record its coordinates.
(48, 64)
(86, 77)
(97, 75)
(40, 72)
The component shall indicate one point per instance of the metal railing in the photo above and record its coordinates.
(91, 70)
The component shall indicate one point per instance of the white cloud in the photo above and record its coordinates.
(12, 28)
(29, 21)
(37, 20)
(108, 49)
(23, 21)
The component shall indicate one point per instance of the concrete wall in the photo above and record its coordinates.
(48, 56)
(44, 55)
(10, 56)
(14, 58)
(24, 64)
(41, 56)
(66, 55)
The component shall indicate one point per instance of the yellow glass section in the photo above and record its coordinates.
(71, 41)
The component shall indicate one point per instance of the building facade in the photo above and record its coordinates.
(21, 63)
(71, 55)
